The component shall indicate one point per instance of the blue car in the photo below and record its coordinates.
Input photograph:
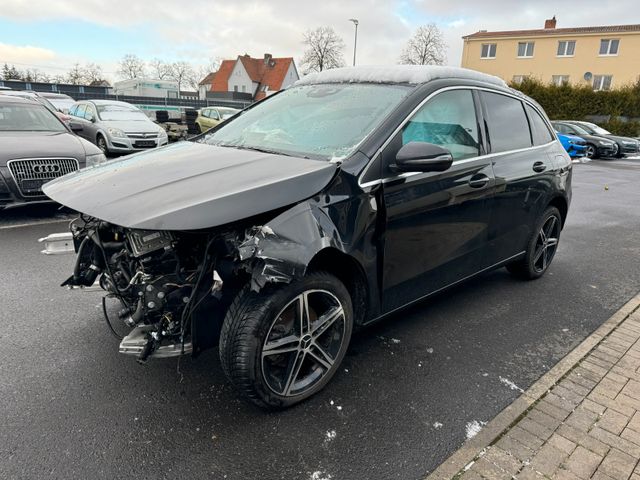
(576, 147)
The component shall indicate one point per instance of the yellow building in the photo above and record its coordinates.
(604, 57)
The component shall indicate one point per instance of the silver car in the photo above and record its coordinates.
(116, 127)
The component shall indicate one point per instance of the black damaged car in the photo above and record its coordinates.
(323, 208)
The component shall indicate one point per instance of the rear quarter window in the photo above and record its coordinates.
(507, 123)
(539, 130)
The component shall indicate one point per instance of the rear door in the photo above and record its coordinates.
(78, 117)
(522, 148)
(436, 222)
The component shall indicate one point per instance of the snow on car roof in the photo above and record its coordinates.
(412, 74)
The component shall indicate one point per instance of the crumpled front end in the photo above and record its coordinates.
(173, 288)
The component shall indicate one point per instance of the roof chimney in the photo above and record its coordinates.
(267, 58)
(550, 23)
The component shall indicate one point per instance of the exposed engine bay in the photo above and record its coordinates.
(164, 282)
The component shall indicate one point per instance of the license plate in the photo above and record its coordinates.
(145, 143)
(32, 186)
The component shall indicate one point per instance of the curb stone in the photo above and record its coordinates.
(472, 449)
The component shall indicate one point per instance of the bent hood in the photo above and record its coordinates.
(190, 186)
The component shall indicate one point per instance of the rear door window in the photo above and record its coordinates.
(80, 110)
(539, 130)
(507, 123)
(449, 120)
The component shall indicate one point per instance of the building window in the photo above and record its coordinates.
(560, 80)
(525, 49)
(566, 48)
(518, 79)
(235, 88)
(602, 82)
(488, 50)
(244, 88)
(609, 46)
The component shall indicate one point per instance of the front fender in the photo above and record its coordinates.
(281, 250)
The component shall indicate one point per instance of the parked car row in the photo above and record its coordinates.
(598, 141)
(37, 141)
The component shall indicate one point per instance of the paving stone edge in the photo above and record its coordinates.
(473, 448)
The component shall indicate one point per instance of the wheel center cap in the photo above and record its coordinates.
(305, 341)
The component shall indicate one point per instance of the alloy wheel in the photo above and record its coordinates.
(102, 145)
(303, 343)
(590, 152)
(546, 243)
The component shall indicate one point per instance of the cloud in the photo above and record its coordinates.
(25, 54)
(198, 30)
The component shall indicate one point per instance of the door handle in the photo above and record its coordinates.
(478, 181)
(539, 167)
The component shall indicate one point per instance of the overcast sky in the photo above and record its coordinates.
(54, 34)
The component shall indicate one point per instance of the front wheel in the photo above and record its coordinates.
(101, 142)
(283, 344)
(591, 151)
(541, 247)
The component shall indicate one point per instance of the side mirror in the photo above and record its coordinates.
(75, 127)
(422, 157)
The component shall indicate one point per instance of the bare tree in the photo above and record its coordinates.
(34, 75)
(201, 71)
(426, 47)
(131, 66)
(75, 76)
(181, 72)
(92, 73)
(324, 50)
(159, 69)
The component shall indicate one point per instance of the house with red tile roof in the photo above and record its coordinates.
(251, 78)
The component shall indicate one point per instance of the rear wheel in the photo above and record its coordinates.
(282, 345)
(541, 247)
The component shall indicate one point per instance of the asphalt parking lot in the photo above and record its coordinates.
(410, 390)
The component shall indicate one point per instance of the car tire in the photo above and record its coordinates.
(101, 142)
(541, 247)
(270, 356)
(591, 151)
(198, 128)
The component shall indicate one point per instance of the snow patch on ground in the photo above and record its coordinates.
(318, 475)
(395, 340)
(329, 436)
(473, 428)
(511, 385)
(437, 425)
(429, 350)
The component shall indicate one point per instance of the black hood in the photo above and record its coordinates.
(190, 186)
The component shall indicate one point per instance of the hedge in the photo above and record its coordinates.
(618, 110)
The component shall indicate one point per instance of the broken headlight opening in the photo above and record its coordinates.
(160, 280)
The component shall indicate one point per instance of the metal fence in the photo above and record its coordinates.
(160, 101)
(86, 92)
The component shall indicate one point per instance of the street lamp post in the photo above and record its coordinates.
(355, 40)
